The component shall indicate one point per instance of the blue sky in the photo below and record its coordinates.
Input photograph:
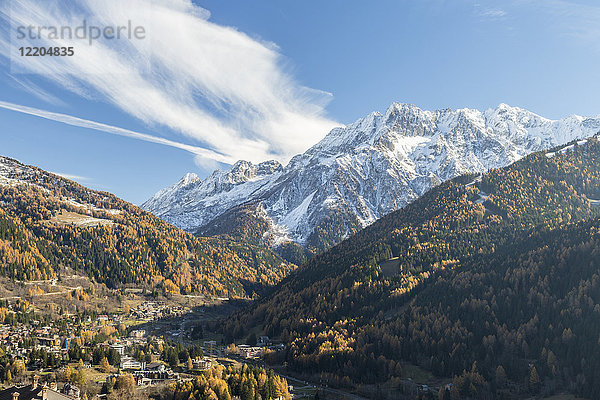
(222, 80)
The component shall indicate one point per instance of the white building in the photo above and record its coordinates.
(130, 363)
(119, 347)
(202, 363)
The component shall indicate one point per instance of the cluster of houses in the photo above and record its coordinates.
(14, 339)
(156, 372)
(155, 310)
(128, 363)
(153, 372)
(150, 374)
(19, 341)
(248, 352)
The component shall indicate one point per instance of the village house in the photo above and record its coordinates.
(119, 347)
(128, 363)
(154, 373)
(137, 334)
(263, 341)
(35, 391)
(202, 363)
(247, 351)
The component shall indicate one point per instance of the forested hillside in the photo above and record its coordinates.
(250, 224)
(48, 223)
(243, 223)
(491, 279)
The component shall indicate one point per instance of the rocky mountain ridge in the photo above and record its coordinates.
(361, 172)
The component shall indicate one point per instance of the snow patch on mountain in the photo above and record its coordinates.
(367, 169)
(13, 173)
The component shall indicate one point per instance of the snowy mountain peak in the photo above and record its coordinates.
(507, 107)
(362, 171)
(245, 171)
(188, 179)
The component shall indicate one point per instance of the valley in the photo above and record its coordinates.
(447, 296)
(91, 286)
(92, 336)
(313, 200)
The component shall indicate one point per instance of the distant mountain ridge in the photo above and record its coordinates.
(363, 171)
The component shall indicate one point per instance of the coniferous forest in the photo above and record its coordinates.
(491, 281)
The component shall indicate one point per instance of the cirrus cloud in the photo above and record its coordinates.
(210, 85)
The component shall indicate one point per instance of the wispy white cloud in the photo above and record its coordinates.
(206, 164)
(97, 126)
(486, 12)
(571, 18)
(77, 178)
(212, 84)
(492, 13)
(32, 88)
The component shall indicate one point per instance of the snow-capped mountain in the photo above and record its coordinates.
(365, 170)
